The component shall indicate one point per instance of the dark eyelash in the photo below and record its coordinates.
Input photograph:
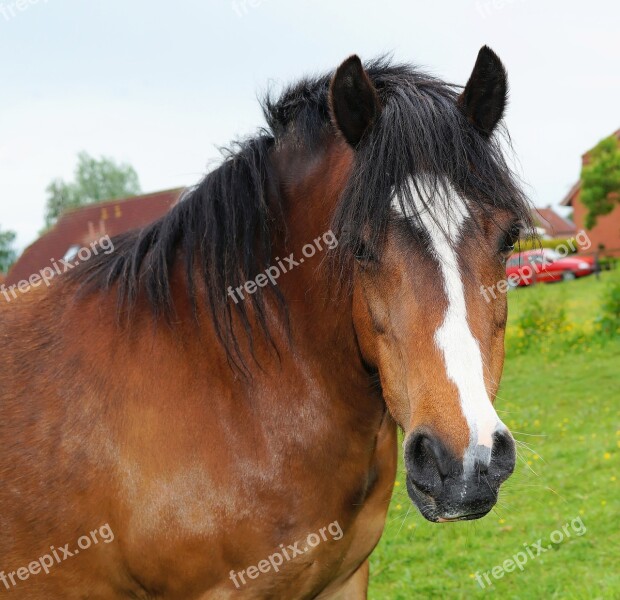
(363, 253)
(510, 239)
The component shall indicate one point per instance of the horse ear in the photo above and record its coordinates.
(353, 100)
(484, 98)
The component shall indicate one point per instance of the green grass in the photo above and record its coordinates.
(568, 402)
(581, 297)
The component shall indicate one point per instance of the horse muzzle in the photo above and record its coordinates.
(445, 488)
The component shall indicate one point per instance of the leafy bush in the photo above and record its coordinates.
(538, 321)
(95, 180)
(535, 244)
(607, 263)
(600, 176)
(608, 322)
(7, 252)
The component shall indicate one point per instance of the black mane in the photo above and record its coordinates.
(223, 226)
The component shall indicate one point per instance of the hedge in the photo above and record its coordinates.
(536, 244)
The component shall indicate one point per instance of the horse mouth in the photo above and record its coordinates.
(431, 511)
(469, 517)
(425, 504)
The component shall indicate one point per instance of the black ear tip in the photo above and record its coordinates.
(487, 50)
(353, 64)
(488, 56)
(354, 58)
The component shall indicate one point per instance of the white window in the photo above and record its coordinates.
(71, 253)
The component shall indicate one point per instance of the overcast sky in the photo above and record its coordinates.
(162, 84)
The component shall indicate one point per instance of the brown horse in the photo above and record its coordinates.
(210, 411)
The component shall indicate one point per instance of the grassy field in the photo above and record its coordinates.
(561, 399)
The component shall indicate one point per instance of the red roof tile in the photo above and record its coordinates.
(554, 225)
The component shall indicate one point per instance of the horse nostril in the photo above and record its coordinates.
(503, 455)
(427, 463)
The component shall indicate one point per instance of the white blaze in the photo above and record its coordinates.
(443, 221)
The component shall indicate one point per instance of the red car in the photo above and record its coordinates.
(545, 265)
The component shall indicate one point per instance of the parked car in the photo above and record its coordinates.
(544, 265)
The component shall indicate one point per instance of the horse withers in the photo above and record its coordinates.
(210, 410)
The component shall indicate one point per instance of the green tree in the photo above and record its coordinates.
(600, 187)
(95, 180)
(7, 252)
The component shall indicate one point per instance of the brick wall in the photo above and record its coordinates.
(606, 233)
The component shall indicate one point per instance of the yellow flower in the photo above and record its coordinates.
(397, 483)
(603, 502)
(398, 507)
(501, 521)
(607, 456)
(613, 478)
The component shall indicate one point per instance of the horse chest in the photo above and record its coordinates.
(245, 540)
(326, 547)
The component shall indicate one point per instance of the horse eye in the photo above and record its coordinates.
(364, 254)
(510, 239)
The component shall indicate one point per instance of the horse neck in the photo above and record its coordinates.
(310, 192)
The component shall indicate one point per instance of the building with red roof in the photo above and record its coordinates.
(82, 226)
(552, 225)
(605, 235)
